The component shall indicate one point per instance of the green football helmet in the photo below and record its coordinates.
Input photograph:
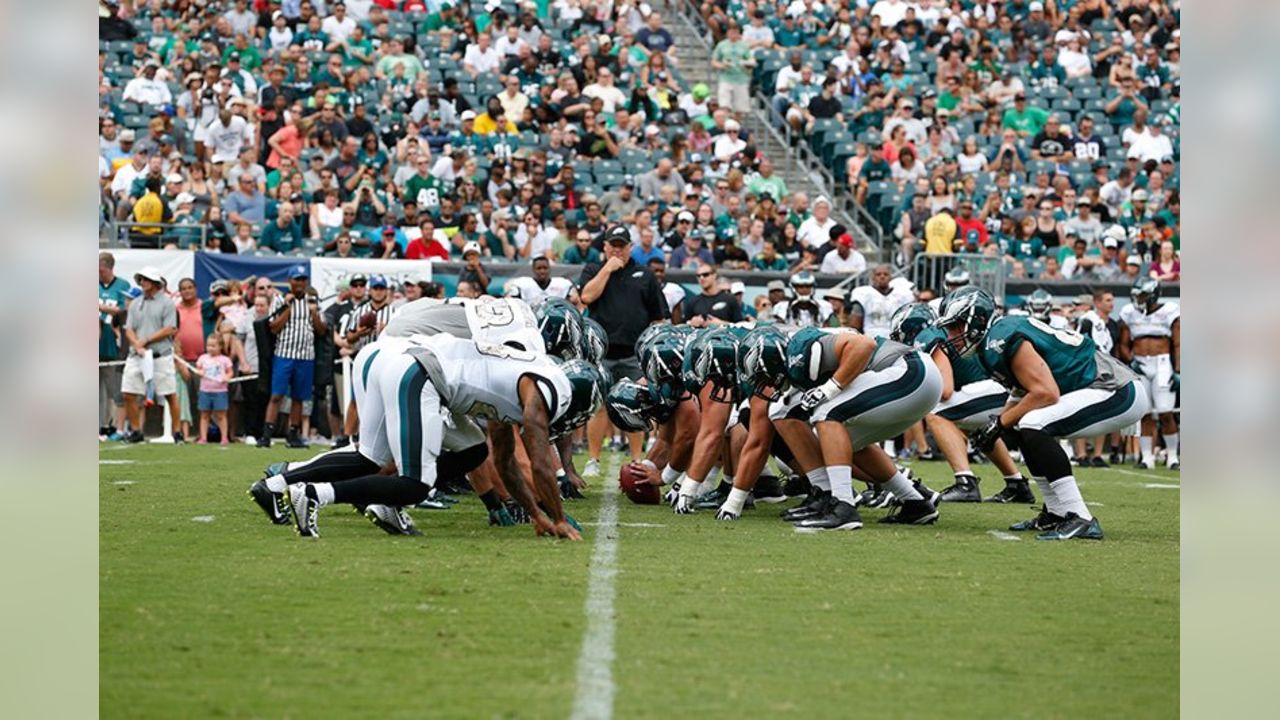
(647, 337)
(972, 308)
(632, 408)
(762, 361)
(956, 278)
(662, 363)
(595, 341)
(1145, 293)
(588, 388)
(909, 321)
(561, 326)
(806, 368)
(1039, 303)
(712, 357)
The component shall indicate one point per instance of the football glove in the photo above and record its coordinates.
(516, 511)
(669, 497)
(1136, 366)
(1175, 382)
(569, 491)
(567, 518)
(726, 514)
(683, 505)
(815, 397)
(499, 517)
(985, 439)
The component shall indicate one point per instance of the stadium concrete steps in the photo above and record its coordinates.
(694, 61)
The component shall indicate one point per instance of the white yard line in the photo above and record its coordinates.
(594, 699)
(1161, 486)
(1002, 535)
(1149, 476)
(116, 462)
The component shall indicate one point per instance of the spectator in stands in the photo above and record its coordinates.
(691, 253)
(145, 89)
(715, 305)
(815, 231)
(733, 61)
(844, 259)
(645, 250)
(248, 204)
(430, 243)
(940, 232)
(1025, 120)
(1166, 266)
(149, 328)
(151, 209)
(650, 184)
(581, 252)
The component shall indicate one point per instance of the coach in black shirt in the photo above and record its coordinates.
(714, 305)
(625, 299)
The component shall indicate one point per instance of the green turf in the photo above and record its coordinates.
(237, 618)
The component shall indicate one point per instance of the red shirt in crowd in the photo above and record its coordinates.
(421, 249)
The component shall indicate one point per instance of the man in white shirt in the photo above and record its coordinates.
(146, 89)
(815, 231)
(123, 181)
(540, 285)
(508, 46)
(241, 19)
(890, 12)
(480, 57)
(728, 143)
(1151, 145)
(338, 26)
(604, 89)
(844, 259)
(905, 116)
(227, 136)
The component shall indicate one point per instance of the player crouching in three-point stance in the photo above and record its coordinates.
(858, 391)
(1061, 386)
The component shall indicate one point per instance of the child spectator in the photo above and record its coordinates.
(214, 369)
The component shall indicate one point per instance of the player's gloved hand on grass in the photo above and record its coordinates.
(500, 517)
(516, 511)
(726, 514)
(1175, 382)
(684, 501)
(669, 497)
(567, 518)
(815, 397)
(567, 489)
(985, 439)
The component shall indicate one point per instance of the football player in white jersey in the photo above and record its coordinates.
(871, 307)
(541, 284)
(804, 309)
(1096, 323)
(1039, 305)
(1150, 340)
(956, 278)
(407, 387)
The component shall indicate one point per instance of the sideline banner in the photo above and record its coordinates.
(172, 264)
(326, 273)
(217, 266)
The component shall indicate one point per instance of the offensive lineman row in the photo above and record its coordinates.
(821, 400)
(442, 394)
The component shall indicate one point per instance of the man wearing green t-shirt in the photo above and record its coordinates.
(424, 188)
(1026, 120)
(767, 182)
(113, 298)
(733, 60)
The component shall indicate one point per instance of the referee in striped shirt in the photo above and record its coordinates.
(363, 325)
(294, 321)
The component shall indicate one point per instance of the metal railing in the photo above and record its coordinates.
(127, 234)
(929, 270)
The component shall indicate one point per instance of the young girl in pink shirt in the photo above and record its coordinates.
(214, 369)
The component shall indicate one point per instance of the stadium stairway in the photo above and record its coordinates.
(694, 57)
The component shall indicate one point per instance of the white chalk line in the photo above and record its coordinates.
(626, 524)
(116, 462)
(1002, 535)
(1149, 476)
(596, 689)
(1161, 486)
(202, 518)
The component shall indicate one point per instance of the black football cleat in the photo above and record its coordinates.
(812, 506)
(874, 497)
(928, 493)
(1014, 493)
(839, 515)
(796, 486)
(1073, 527)
(768, 490)
(912, 512)
(1098, 462)
(305, 510)
(273, 504)
(1042, 522)
(714, 499)
(965, 490)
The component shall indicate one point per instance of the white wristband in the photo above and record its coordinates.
(831, 388)
(669, 475)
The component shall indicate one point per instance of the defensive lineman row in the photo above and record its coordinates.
(821, 401)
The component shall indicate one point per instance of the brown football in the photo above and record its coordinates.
(640, 493)
(369, 320)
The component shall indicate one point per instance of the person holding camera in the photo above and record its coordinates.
(294, 322)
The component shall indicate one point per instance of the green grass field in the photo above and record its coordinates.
(206, 610)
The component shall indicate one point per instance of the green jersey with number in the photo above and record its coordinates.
(425, 191)
(965, 370)
(1069, 355)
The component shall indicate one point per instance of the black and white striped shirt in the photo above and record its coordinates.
(297, 340)
(352, 323)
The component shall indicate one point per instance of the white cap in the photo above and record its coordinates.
(684, 215)
(737, 287)
(822, 200)
(1035, 5)
(732, 125)
(184, 198)
(467, 115)
(652, 130)
(1133, 260)
(470, 247)
(151, 273)
(174, 178)
(1115, 232)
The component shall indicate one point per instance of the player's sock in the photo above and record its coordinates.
(321, 493)
(890, 448)
(277, 483)
(726, 483)
(1069, 498)
(712, 477)
(1014, 478)
(818, 478)
(670, 475)
(841, 482)
(329, 467)
(690, 487)
(393, 490)
(1050, 497)
(736, 500)
(902, 488)
(491, 500)
(1171, 447)
(1148, 453)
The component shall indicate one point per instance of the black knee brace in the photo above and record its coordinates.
(1043, 455)
(454, 465)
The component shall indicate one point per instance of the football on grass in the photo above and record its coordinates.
(640, 493)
